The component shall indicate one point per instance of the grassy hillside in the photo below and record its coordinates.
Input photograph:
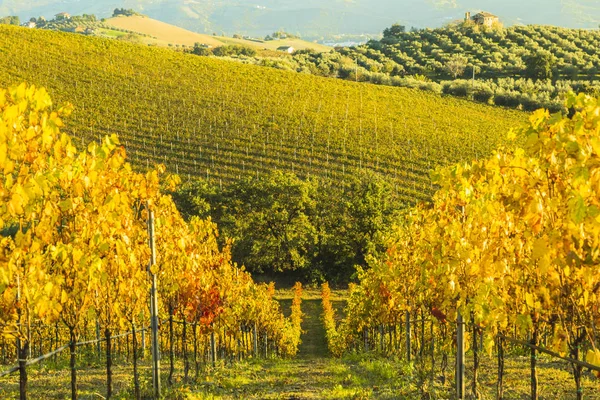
(223, 120)
(169, 34)
(163, 32)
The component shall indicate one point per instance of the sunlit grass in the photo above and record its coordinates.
(312, 375)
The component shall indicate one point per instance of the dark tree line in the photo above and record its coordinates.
(283, 224)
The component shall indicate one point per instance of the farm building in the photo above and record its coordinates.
(62, 16)
(287, 49)
(482, 18)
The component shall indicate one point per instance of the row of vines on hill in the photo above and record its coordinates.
(505, 67)
(222, 121)
(510, 243)
(498, 52)
(74, 247)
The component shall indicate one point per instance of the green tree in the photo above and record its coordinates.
(352, 223)
(201, 50)
(282, 223)
(456, 65)
(197, 198)
(539, 65)
(270, 222)
(10, 20)
(570, 72)
(394, 31)
(234, 50)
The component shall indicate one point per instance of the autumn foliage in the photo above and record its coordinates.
(512, 242)
(74, 240)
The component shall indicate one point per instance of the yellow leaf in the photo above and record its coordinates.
(529, 300)
(540, 248)
(154, 269)
(9, 167)
(2, 153)
(16, 205)
(593, 357)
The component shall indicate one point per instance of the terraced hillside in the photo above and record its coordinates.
(223, 120)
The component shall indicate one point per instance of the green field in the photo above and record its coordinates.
(221, 120)
(112, 33)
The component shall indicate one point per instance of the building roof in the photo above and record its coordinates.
(485, 14)
(62, 14)
(284, 47)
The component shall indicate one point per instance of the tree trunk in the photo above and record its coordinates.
(108, 363)
(432, 378)
(127, 348)
(186, 364)
(255, 341)
(213, 349)
(41, 347)
(422, 347)
(73, 349)
(4, 350)
(475, 360)
(196, 369)
(22, 347)
(533, 363)
(577, 369)
(56, 340)
(136, 380)
(171, 350)
(500, 391)
(98, 344)
(266, 345)
(407, 331)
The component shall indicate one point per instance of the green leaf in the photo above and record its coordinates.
(577, 208)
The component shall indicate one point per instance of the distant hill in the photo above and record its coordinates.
(163, 32)
(222, 120)
(169, 34)
(319, 18)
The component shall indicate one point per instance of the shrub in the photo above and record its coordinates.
(529, 103)
(461, 89)
(234, 50)
(431, 87)
(507, 99)
(483, 94)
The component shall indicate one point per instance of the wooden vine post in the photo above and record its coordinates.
(154, 309)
